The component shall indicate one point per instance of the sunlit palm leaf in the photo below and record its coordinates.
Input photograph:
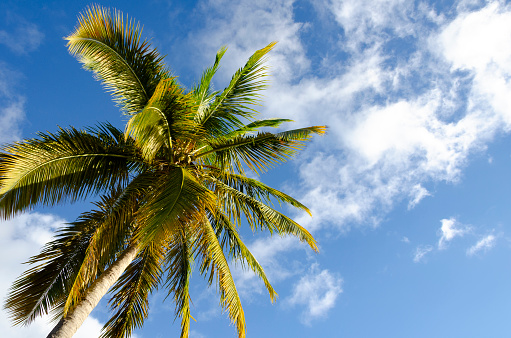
(255, 126)
(179, 271)
(62, 167)
(166, 118)
(178, 198)
(236, 99)
(113, 222)
(131, 292)
(44, 287)
(215, 263)
(256, 189)
(111, 46)
(231, 240)
(202, 92)
(259, 152)
(259, 215)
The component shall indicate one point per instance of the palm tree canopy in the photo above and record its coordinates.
(173, 183)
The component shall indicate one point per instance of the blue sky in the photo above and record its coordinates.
(409, 190)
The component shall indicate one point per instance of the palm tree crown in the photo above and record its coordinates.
(172, 186)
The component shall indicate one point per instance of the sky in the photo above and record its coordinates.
(409, 189)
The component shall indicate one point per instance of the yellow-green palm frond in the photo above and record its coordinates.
(259, 215)
(259, 152)
(214, 264)
(255, 126)
(44, 287)
(256, 189)
(202, 92)
(230, 240)
(167, 117)
(179, 263)
(131, 292)
(113, 221)
(110, 44)
(178, 198)
(65, 166)
(237, 99)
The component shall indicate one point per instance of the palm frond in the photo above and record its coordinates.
(259, 215)
(214, 263)
(131, 292)
(259, 152)
(110, 45)
(178, 199)
(235, 101)
(256, 189)
(44, 287)
(230, 239)
(66, 166)
(179, 272)
(255, 126)
(114, 222)
(167, 117)
(202, 91)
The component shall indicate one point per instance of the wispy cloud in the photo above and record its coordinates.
(420, 252)
(485, 244)
(417, 194)
(399, 118)
(449, 230)
(12, 105)
(317, 291)
(21, 36)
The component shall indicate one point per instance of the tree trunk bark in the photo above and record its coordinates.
(68, 325)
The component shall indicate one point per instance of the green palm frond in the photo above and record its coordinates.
(256, 189)
(179, 272)
(214, 264)
(235, 101)
(259, 152)
(111, 46)
(259, 215)
(178, 199)
(66, 166)
(44, 287)
(113, 222)
(202, 91)
(166, 118)
(255, 126)
(131, 292)
(231, 240)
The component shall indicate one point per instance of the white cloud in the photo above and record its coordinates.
(449, 230)
(317, 291)
(420, 252)
(480, 42)
(20, 238)
(12, 106)
(245, 26)
(405, 240)
(417, 193)
(485, 244)
(23, 37)
(364, 21)
(399, 118)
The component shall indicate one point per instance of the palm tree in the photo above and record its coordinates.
(172, 186)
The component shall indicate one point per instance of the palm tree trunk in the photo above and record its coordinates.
(68, 325)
